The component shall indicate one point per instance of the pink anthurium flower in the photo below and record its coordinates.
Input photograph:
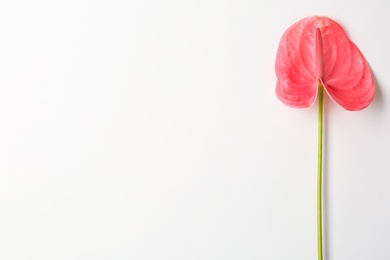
(315, 54)
(316, 51)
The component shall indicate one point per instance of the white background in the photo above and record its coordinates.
(150, 130)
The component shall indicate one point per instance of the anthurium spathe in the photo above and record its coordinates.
(314, 51)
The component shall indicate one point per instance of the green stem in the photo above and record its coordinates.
(319, 180)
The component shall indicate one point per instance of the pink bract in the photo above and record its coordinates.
(317, 50)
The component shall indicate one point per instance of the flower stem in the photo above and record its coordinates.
(319, 177)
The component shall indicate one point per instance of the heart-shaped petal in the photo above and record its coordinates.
(344, 71)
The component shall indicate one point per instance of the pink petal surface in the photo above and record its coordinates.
(302, 61)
